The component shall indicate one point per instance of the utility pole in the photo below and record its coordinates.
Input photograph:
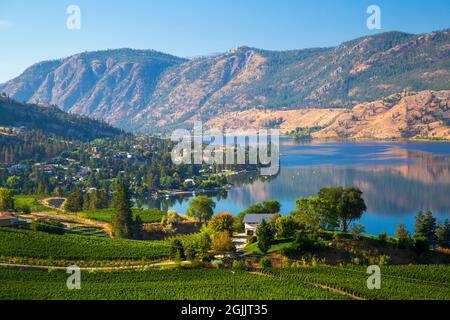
(234, 284)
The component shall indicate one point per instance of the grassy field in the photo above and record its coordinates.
(32, 201)
(26, 243)
(276, 246)
(408, 282)
(105, 215)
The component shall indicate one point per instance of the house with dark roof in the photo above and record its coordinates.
(8, 220)
(253, 220)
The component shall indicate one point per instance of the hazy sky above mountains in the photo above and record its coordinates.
(31, 31)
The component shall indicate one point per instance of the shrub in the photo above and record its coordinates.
(304, 243)
(252, 239)
(241, 265)
(222, 242)
(25, 209)
(177, 250)
(404, 242)
(384, 260)
(421, 245)
(383, 237)
(265, 263)
(218, 264)
(190, 252)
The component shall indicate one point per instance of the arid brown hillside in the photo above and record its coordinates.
(424, 114)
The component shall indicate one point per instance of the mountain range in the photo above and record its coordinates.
(148, 91)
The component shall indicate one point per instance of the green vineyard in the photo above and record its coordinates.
(318, 283)
(25, 243)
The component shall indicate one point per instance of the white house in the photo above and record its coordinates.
(253, 220)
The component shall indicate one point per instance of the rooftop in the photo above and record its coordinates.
(4, 216)
(257, 217)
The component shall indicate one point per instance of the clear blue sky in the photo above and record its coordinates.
(31, 31)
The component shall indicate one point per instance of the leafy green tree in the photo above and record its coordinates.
(122, 220)
(74, 202)
(265, 236)
(285, 227)
(222, 222)
(347, 203)
(271, 206)
(315, 214)
(222, 242)
(202, 208)
(6, 200)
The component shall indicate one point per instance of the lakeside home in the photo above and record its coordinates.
(253, 220)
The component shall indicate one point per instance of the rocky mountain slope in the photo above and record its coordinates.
(110, 85)
(424, 114)
(146, 90)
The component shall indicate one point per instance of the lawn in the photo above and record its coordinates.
(105, 215)
(32, 201)
(277, 246)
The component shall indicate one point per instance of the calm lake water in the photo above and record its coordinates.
(397, 178)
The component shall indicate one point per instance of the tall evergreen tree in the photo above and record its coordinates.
(419, 226)
(429, 223)
(443, 234)
(264, 236)
(74, 202)
(122, 221)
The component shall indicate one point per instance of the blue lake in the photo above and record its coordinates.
(397, 178)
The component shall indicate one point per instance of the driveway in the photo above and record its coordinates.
(240, 241)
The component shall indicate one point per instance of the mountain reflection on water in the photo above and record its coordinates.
(397, 178)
